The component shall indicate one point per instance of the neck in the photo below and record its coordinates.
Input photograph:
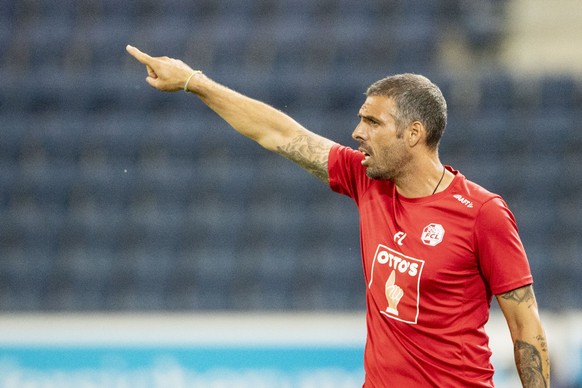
(440, 180)
(424, 180)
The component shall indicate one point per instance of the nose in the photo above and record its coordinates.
(358, 134)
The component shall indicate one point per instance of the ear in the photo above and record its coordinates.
(416, 132)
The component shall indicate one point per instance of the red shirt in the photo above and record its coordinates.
(431, 266)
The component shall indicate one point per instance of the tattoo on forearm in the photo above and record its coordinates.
(543, 343)
(521, 295)
(545, 356)
(529, 364)
(309, 154)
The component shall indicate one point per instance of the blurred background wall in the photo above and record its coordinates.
(117, 198)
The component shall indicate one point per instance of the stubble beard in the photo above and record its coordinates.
(381, 174)
(390, 168)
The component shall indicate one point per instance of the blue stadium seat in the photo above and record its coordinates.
(526, 94)
(7, 33)
(551, 132)
(47, 41)
(215, 276)
(559, 92)
(28, 269)
(126, 11)
(488, 133)
(496, 92)
(482, 23)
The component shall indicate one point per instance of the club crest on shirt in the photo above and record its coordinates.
(433, 234)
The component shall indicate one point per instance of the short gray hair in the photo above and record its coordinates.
(417, 99)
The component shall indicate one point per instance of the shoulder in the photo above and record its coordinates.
(492, 215)
(347, 175)
(473, 194)
(342, 152)
(343, 158)
(488, 209)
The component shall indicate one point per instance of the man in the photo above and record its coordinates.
(435, 246)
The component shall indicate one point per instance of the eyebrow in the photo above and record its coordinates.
(369, 117)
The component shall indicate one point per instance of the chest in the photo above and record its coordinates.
(435, 239)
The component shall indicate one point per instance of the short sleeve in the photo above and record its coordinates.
(501, 254)
(346, 174)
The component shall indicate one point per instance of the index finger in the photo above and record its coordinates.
(137, 54)
(391, 279)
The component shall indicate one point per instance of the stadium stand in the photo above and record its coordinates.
(116, 197)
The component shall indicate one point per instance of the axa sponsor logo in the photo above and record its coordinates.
(463, 200)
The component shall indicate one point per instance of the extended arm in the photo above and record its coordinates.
(266, 125)
(529, 341)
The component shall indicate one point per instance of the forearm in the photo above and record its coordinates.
(266, 125)
(252, 118)
(530, 347)
(532, 357)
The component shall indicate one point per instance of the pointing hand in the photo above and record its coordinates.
(165, 74)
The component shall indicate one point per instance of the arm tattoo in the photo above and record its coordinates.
(308, 153)
(529, 364)
(524, 294)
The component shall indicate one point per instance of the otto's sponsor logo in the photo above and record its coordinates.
(463, 200)
(397, 262)
(433, 234)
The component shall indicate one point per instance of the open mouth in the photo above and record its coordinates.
(364, 151)
(366, 155)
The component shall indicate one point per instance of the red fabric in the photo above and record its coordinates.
(431, 266)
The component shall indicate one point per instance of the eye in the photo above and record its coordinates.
(371, 122)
